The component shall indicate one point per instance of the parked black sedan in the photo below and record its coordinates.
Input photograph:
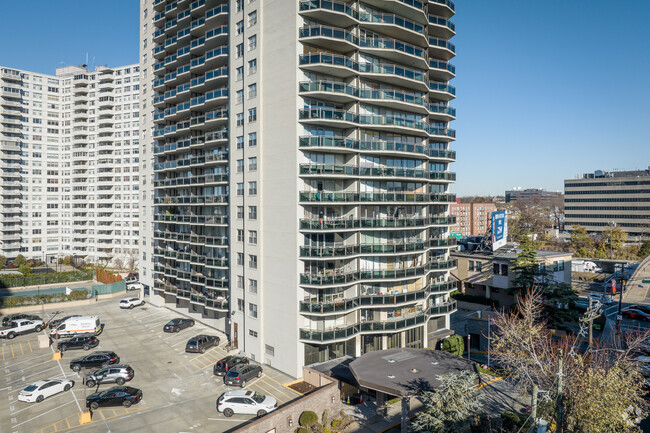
(201, 343)
(95, 360)
(6, 320)
(84, 343)
(224, 364)
(175, 325)
(117, 396)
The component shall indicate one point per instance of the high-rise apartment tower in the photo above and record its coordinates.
(301, 154)
(70, 163)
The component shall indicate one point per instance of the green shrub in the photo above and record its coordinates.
(308, 418)
(454, 345)
(302, 430)
(326, 430)
(337, 422)
(510, 421)
(325, 417)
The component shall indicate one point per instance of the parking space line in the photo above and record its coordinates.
(277, 388)
(44, 413)
(12, 351)
(30, 346)
(21, 348)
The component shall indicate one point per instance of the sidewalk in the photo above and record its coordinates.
(636, 291)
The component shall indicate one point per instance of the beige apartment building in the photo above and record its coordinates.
(602, 200)
(297, 159)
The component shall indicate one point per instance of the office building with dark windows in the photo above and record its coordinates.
(296, 156)
(601, 200)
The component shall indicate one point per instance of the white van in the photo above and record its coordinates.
(80, 325)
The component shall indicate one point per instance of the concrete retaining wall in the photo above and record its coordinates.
(285, 419)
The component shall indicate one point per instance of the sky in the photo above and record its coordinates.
(546, 90)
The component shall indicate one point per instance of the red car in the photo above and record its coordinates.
(633, 313)
(133, 275)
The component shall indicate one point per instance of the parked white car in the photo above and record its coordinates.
(245, 401)
(131, 302)
(39, 391)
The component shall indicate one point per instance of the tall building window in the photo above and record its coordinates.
(239, 5)
(240, 73)
(252, 139)
(252, 261)
(240, 119)
(240, 305)
(240, 281)
(252, 115)
(252, 43)
(240, 235)
(252, 310)
(252, 286)
(240, 165)
(240, 27)
(252, 188)
(252, 66)
(240, 212)
(252, 212)
(240, 259)
(252, 91)
(239, 96)
(252, 164)
(240, 188)
(240, 142)
(240, 50)
(252, 237)
(252, 18)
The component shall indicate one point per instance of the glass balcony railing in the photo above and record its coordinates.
(391, 19)
(349, 170)
(328, 59)
(328, 32)
(345, 332)
(340, 277)
(447, 3)
(334, 6)
(192, 219)
(440, 21)
(387, 146)
(188, 237)
(404, 246)
(442, 43)
(342, 305)
(353, 197)
(373, 223)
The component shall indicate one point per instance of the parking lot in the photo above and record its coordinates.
(179, 389)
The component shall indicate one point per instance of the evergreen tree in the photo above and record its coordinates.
(581, 242)
(452, 408)
(525, 265)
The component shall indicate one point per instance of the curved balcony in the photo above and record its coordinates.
(343, 333)
(441, 27)
(443, 8)
(328, 170)
(395, 26)
(216, 220)
(442, 91)
(194, 180)
(339, 277)
(351, 224)
(329, 38)
(368, 197)
(397, 124)
(191, 200)
(407, 246)
(329, 90)
(328, 11)
(441, 49)
(329, 117)
(411, 9)
(190, 238)
(395, 75)
(395, 50)
(330, 64)
(345, 145)
(348, 304)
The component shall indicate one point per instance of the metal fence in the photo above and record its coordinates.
(107, 289)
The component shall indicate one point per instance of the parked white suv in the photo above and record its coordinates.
(131, 302)
(245, 401)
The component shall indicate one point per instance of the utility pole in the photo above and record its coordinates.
(559, 410)
(533, 407)
(591, 323)
(468, 346)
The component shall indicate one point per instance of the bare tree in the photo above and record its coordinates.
(588, 390)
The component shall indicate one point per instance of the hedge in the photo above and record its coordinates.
(308, 418)
(8, 281)
(19, 301)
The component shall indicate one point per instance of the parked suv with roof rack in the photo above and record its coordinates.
(113, 374)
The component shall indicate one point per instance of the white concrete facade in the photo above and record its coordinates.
(71, 158)
(301, 171)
